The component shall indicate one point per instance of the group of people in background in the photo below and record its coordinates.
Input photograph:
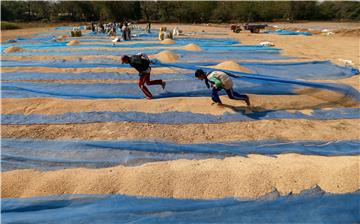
(111, 29)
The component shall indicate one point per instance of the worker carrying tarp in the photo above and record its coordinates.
(141, 63)
(219, 80)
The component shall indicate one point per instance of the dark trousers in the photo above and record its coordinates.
(145, 78)
(230, 92)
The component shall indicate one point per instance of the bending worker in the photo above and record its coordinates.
(141, 63)
(220, 80)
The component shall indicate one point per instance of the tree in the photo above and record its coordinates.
(222, 12)
(14, 10)
(179, 11)
(149, 10)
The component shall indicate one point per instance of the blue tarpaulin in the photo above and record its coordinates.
(177, 117)
(174, 88)
(271, 81)
(189, 55)
(16, 76)
(59, 154)
(295, 70)
(245, 83)
(302, 70)
(287, 32)
(69, 27)
(311, 206)
(50, 42)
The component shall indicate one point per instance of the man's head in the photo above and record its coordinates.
(200, 74)
(125, 59)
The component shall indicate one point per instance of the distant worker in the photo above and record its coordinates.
(126, 32)
(114, 28)
(176, 32)
(102, 28)
(92, 27)
(141, 63)
(219, 80)
(148, 27)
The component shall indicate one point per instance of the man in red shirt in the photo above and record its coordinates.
(141, 63)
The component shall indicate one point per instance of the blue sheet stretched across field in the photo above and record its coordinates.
(59, 154)
(176, 88)
(311, 206)
(190, 55)
(242, 114)
(272, 81)
(51, 42)
(295, 70)
(15, 76)
(302, 70)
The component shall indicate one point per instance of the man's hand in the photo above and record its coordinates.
(215, 87)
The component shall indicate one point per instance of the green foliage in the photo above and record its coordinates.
(179, 11)
(9, 26)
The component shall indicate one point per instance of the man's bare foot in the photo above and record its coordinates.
(147, 97)
(163, 84)
(217, 104)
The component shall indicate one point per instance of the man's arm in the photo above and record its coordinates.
(216, 81)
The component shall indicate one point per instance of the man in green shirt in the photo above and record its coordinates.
(220, 80)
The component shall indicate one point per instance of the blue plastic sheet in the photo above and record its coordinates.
(50, 42)
(288, 32)
(204, 42)
(81, 52)
(15, 76)
(61, 64)
(39, 39)
(311, 206)
(271, 81)
(295, 70)
(61, 46)
(185, 55)
(57, 154)
(176, 88)
(98, 91)
(177, 117)
(213, 49)
(69, 27)
(302, 70)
